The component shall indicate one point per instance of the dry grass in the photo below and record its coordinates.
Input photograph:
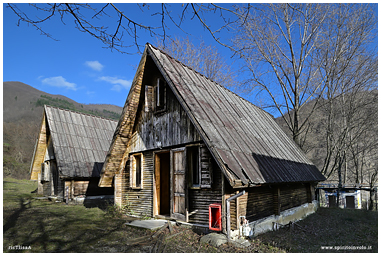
(329, 230)
(46, 226)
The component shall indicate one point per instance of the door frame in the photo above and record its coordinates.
(156, 179)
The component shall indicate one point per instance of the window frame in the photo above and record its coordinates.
(194, 151)
(133, 171)
(160, 96)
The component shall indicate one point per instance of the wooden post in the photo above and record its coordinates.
(224, 230)
(67, 194)
(72, 189)
(228, 218)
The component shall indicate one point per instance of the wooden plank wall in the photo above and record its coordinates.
(45, 187)
(139, 201)
(292, 195)
(200, 199)
(118, 185)
(76, 188)
(80, 187)
(152, 130)
(255, 204)
(260, 202)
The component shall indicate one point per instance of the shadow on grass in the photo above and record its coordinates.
(11, 220)
(66, 230)
(79, 243)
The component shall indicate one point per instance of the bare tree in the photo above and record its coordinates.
(202, 57)
(291, 51)
(90, 18)
(125, 33)
(321, 55)
(347, 120)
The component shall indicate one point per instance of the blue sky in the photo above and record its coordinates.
(77, 66)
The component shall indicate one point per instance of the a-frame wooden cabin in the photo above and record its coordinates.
(69, 153)
(184, 142)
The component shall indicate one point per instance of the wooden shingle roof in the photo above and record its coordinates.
(245, 141)
(80, 142)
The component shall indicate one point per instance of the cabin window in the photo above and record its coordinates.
(148, 98)
(136, 171)
(160, 95)
(194, 166)
(199, 167)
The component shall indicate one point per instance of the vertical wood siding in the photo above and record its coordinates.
(80, 187)
(256, 203)
(155, 130)
(139, 201)
(118, 185)
(293, 195)
(200, 199)
(260, 202)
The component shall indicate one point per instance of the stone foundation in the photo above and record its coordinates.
(272, 222)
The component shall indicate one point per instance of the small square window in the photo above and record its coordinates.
(136, 171)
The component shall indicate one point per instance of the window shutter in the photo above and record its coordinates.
(154, 98)
(205, 168)
(148, 98)
(161, 91)
(131, 171)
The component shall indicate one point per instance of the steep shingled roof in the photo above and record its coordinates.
(80, 142)
(245, 141)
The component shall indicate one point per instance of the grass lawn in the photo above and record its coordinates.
(329, 230)
(46, 226)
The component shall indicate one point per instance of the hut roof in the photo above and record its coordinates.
(245, 141)
(80, 142)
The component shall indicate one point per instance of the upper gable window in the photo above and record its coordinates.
(160, 95)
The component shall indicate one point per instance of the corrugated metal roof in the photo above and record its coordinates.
(80, 141)
(243, 138)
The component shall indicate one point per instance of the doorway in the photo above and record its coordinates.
(350, 202)
(332, 201)
(162, 184)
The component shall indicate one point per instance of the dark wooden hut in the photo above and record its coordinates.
(69, 153)
(185, 143)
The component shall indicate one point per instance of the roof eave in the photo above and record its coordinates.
(109, 169)
(40, 148)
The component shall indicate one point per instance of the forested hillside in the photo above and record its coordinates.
(342, 136)
(341, 132)
(22, 113)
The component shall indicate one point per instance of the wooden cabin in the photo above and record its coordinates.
(69, 153)
(184, 144)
